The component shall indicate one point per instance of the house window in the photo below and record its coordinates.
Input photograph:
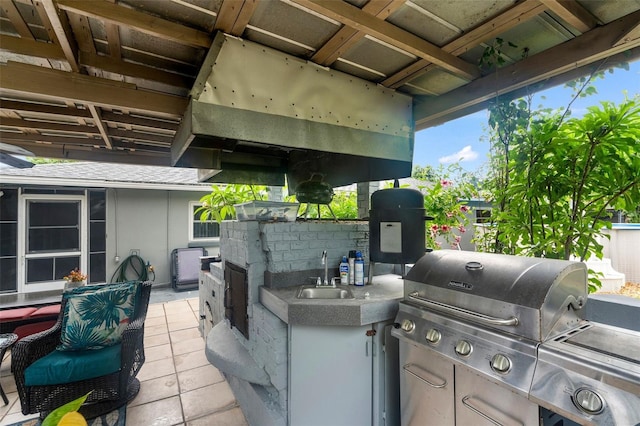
(483, 215)
(54, 242)
(200, 230)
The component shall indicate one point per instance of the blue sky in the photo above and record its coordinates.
(466, 137)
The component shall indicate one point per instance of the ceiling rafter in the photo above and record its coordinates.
(63, 34)
(35, 137)
(120, 15)
(140, 122)
(45, 125)
(347, 37)
(118, 66)
(105, 63)
(82, 32)
(234, 16)
(89, 153)
(95, 113)
(29, 79)
(508, 19)
(9, 105)
(30, 47)
(583, 50)
(629, 36)
(572, 13)
(113, 38)
(139, 136)
(16, 19)
(389, 33)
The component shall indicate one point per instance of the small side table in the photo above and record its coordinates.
(6, 341)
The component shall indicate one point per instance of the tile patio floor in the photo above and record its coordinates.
(179, 386)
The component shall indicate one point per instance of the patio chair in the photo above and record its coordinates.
(67, 361)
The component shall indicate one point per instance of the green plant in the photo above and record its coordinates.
(554, 177)
(344, 205)
(218, 205)
(445, 199)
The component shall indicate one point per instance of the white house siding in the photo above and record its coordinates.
(151, 222)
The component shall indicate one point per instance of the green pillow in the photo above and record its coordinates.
(96, 316)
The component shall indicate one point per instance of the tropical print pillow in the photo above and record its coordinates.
(96, 316)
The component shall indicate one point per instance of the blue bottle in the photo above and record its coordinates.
(344, 271)
(359, 266)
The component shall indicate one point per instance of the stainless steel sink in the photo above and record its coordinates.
(324, 293)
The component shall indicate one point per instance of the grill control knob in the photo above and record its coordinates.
(463, 348)
(500, 363)
(408, 325)
(433, 336)
(588, 401)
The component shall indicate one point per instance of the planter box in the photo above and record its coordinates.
(269, 211)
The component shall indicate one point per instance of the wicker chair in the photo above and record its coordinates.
(107, 392)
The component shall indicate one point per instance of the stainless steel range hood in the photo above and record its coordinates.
(265, 114)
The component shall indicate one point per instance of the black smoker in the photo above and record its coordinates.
(396, 227)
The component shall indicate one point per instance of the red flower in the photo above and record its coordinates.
(445, 228)
(462, 229)
(445, 182)
(464, 208)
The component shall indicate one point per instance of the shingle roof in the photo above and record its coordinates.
(109, 172)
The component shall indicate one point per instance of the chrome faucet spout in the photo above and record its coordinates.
(326, 266)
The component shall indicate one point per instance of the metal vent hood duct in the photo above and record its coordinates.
(256, 114)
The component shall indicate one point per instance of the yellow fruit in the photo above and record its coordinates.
(72, 418)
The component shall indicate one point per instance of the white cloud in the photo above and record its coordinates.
(465, 154)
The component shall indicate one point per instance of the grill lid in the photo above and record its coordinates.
(520, 295)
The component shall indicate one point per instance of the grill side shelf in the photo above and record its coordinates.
(464, 313)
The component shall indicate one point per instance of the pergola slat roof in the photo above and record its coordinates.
(109, 80)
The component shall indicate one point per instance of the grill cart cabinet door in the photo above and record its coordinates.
(480, 402)
(426, 387)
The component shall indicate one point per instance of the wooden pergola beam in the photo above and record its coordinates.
(142, 122)
(234, 16)
(45, 125)
(30, 47)
(120, 15)
(33, 80)
(18, 106)
(118, 66)
(572, 13)
(347, 37)
(100, 125)
(12, 12)
(597, 44)
(508, 19)
(25, 138)
(88, 153)
(63, 33)
(354, 17)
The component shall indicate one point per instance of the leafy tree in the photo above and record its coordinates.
(218, 205)
(554, 177)
(424, 173)
(344, 205)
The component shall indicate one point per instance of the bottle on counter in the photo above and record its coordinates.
(352, 267)
(344, 271)
(359, 269)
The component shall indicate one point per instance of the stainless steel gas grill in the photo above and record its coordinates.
(490, 339)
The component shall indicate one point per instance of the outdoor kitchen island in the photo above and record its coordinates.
(292, 360)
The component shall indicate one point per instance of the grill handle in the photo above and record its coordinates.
(407, 368)
(464, 313)
(466, 401)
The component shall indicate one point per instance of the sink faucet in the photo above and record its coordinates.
(326, 266)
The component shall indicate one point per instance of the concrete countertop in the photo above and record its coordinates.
(380, 305)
